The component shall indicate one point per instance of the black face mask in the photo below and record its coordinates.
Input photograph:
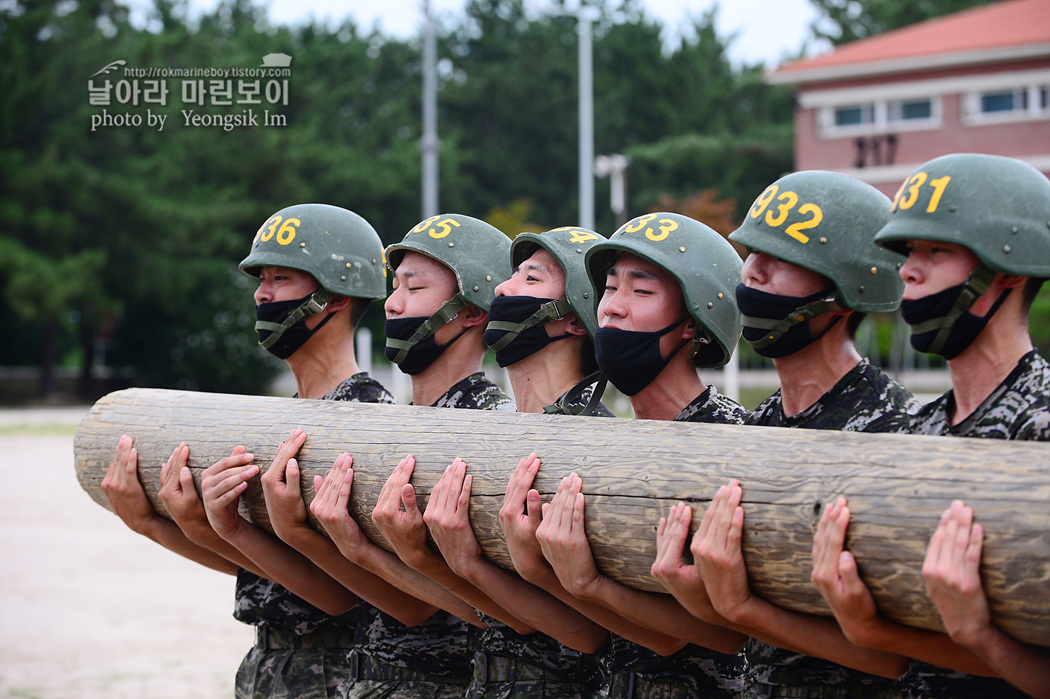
(512, 311)
(930, 314)
(757, 306)
(423, 353)
(291, 338)
(631, 360)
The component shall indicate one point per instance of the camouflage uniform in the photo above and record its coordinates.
(1018, 409)
(431, 660)
(712, 406)
(580, 401)
(864, 400)
(509, 665)
(475, 393)
(300, 652)
(694, 671)
(638, 672)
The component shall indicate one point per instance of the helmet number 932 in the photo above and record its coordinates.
(665, 227)
(437, 229)
(285, 234)
(786, 201)
(910, 191)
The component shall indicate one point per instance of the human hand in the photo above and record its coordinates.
(682, 580)
(221, 486)
(520, 517)
(124, 491)
(952, 571)
(448, 518)
(716, 549)
(180, 497)
(836, 577)
(563, 539)
(330, 506)
(404, 530)
(281, 490)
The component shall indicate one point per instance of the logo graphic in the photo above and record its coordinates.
(116, 65)
(276, 60)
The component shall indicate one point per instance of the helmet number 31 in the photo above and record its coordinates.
(786, 202)
(285, 234)
(909, 192)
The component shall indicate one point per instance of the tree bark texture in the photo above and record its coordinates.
(633, 471)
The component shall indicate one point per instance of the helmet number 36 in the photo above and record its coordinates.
(910, 191)
(665, 227)
(285, 233)
(785, 202)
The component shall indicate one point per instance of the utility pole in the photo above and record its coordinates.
(584, 17)
(429, 144)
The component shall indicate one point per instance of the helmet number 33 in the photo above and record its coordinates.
(665, 227)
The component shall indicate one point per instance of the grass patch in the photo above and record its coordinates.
(41, 430)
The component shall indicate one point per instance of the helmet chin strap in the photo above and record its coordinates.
(316, 303)
(777, 328)
(448, 310)
(552, 310)
(973, 288)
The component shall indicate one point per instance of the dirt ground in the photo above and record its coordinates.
(89, 609)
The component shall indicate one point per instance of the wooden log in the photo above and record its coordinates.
(633, 471)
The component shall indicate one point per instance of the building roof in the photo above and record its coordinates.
(1001, 31)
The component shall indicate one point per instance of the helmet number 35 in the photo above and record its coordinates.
(437, 229)
(785, 203)
(665, 227)
(909, 192)
(285, 233)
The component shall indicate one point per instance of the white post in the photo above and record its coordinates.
(585, 16)
(429, 143)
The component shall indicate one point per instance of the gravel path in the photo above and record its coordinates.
(89, 609)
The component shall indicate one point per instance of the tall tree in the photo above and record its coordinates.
(843, 21)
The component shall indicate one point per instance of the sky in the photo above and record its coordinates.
(766, 30)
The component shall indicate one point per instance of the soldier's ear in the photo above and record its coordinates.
(472, 315)
(574, 326)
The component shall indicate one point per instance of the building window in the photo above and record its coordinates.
(880, 117)
(854, 115)
(911, 110)
(1009, 101)
(1020, 103)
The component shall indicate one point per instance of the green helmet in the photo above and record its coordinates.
(568, 245)
(997, 207)
(704, 264)
(826, 222)
(335, 246)
(338, 247)
(478, 254)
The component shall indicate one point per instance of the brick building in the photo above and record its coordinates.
(974, 81)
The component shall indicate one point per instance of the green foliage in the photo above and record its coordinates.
(128, 238)
(844, 21)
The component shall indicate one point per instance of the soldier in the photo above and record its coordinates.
(812, 264)
(975, 232)
(542, 323)
(319, 267)
(445, 272)
(664, 288)
(540, 326)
